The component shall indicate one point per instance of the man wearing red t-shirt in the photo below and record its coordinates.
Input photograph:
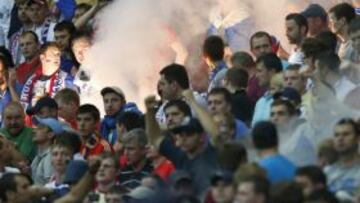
(29, 47)
(88, 117)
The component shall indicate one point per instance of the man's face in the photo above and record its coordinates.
(22, 13)
(263, 75)
(14, 120)
(62, 38)
(346, 141)
(217, 104)
(279, 115)
(107, 171)
(28, 46)
(22, 186)
(174, 116)
(86, 124)
(293, 32)
(112, 103)
(355, 38)
(80, 49)
(66, 110)
(246, 194)
(292, 78)
(226, 131)
(47, 112)
(37, 13)
(41, 134)
(336, 25)
(307, 185)
(260, 46)
(60, 156)
(166, 88)
(222, 192)
(134, 152)
(188, 143)
(51, 58)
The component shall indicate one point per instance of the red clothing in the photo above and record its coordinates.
(25, 70)
(254, 91)
(165, 169)
(95, 145)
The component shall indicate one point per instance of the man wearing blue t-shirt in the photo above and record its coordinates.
(265, 139)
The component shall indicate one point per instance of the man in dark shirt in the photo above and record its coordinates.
(187, 149)
(137, 166)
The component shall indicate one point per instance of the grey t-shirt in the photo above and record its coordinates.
(343, 178)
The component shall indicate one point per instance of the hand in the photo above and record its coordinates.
(12, 78)
(150, 103)
(188, 95)
(94, 163)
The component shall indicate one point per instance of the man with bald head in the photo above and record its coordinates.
(15, 130)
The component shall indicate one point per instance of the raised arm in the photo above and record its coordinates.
(152, 128)
(204, 117)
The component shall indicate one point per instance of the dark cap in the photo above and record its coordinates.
(43, 102)
(291, 94)
(112, 89)
(179, 176)
(314, 10)
(188, 126)
(75, 171)
(222, 175)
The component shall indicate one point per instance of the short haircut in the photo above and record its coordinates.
(352, 122)
(293, 67)
(214, 48)
(242, 59)
(343, 10)
(131, 120)
(286, 192)
(223, 91)
(91, 109)
(354, 25)
(264, 135)
(261, 185)
(312, 46)
(329, 60)
(32, 33)
(299, 19)
(289, 106)
(65, 25)
(137, 134)
(181, 105)
(68, 95)
(176, 73)
(69, 140)
(329, 39)
(314, 173)
(4, 63)
(237, 77)
(231, 155)
(47, 46)
(271, 62)
(114, 158)
(259, 35)
(8, 183)
(81, 35)
(322, 195)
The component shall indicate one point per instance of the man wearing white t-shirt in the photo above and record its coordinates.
(296, 30)
(38, 12)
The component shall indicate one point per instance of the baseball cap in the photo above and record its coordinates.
(188, 126)
(51, 123)
(75, 171)
(43, 102)
(222, 175)
(314, 10)
(141, 193)
(291, 94)
(112, 89)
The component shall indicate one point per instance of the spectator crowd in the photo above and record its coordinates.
(271, 126)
